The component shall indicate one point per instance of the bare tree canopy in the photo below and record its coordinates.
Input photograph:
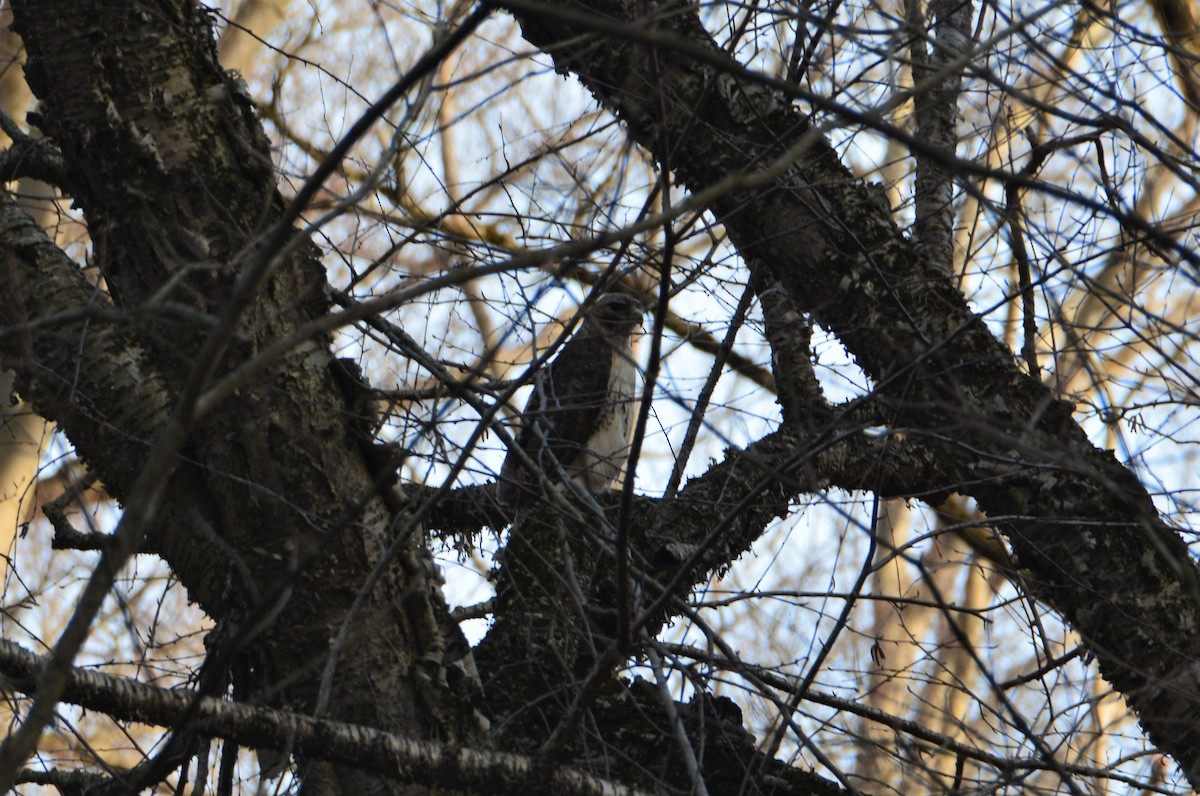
(907, 503)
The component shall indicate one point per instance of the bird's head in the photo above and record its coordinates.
(616, 314)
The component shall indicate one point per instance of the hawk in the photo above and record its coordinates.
(581, 412)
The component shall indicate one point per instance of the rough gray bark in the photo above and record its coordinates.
(1088, 530)
(272, 519)
(274, 522)
(430, 764)
(264, 523)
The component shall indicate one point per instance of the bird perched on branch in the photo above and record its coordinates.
(580, 415)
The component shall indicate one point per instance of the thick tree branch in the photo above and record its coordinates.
(406, 759)
(1090, 533)
(84, 373)
(177, 210)
(35, 158)
(719, 514)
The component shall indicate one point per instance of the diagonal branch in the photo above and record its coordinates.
(1088, 529)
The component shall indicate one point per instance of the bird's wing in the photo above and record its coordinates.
(561, 414)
